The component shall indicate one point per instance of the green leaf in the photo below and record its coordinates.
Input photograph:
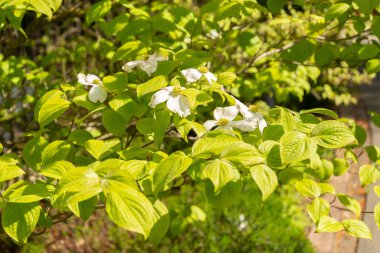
(33, 150)
(27, 193)
(368, 51)
(324, 55)
(116, 83)
(308, 188)
(300, 51)
(98, 10)
(357, 228)
(79, 179)
(326, 188)
(332, 134)
(275, 6)
(368, 174)
(154, 84)
(351, 204)
(265, 178)
(377, 214)
(287, 119)
(322, 111)
(242, 154)
(154, 128)
(50, 110)
(373, 65)
(131, 210)
(224, 198)
(9, 168)
(230, 9)
(169, 169)
(84, 209)
(340, 166)
(336, 10)
(226, 78)
(296, 146)
(376, 189)
(114, 122)
(20, 219)
(364, 6)
(56, 169)
(220, 172)
(318, 208)
(161, 222)
(375, 118)
(55, 151)
(212, 143)
(79, 137)
(101, 149)
(1, 148)
(328, 224)
(376, 28)
(42, 7)
(273, 132)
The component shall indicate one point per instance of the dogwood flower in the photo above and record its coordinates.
(149, 65)
(176, 102)
(250, 113)
(193, 75)
(213, 34)
(97, 92)
(224, 117)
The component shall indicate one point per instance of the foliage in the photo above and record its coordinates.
(136, 136)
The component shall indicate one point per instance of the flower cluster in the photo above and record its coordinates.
(176, 102)
(149, 65)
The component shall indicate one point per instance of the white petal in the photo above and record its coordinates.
(210, 77)
(224, 128)
(229, 113)
(157, 57)
(149, 66)
(97, 93)
(262, 124)
(191, 75)
(246, 125)
(159, 97)
(82, 79)
(130, 65)
(179, 104)
(91, 78)
(242, 107)
(209, 124)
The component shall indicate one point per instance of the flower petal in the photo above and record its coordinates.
(209, 124)
(83, 80)
(179, 104)
(91, 78)
(246, 125)
(149, 66)
(159, 97)
(225, 128)
(191, 75)
(229, 113)
(210, 77)
(130, 65)
(262, 124)
(97, 93)
(242, 108)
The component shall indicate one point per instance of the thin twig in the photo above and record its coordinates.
(345, 209)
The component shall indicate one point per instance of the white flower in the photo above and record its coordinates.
(176, 102)
(224, 117)
(149, 65)
(193, 75)
(213, 34)
(97, 92)
(250, 114)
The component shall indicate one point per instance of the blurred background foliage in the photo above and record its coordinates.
(300, 54)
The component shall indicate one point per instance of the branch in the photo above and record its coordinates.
(345, 209)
